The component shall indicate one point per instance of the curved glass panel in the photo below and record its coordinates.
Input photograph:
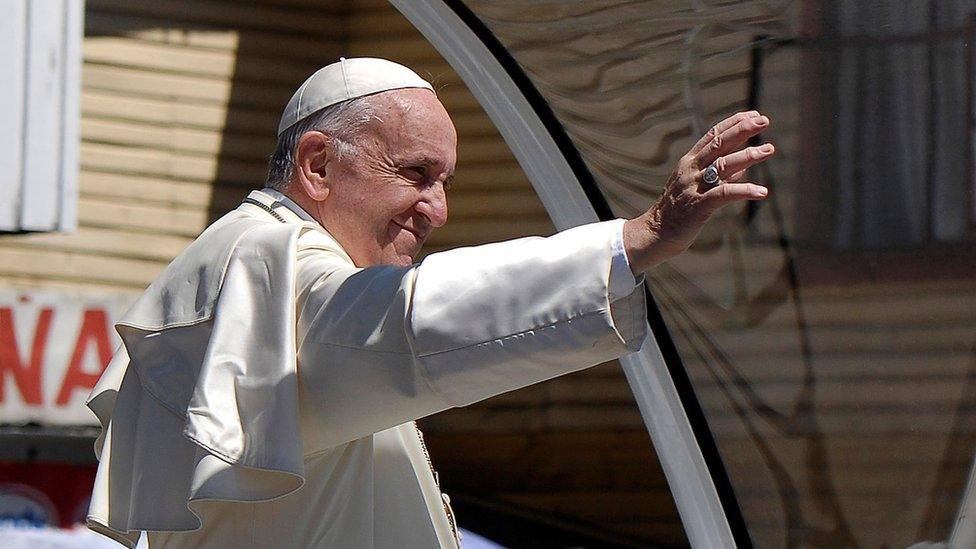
(829, 332)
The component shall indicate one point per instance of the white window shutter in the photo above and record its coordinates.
(39, 114)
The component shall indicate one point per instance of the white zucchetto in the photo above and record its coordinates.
(344, 80)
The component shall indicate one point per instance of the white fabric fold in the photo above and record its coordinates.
(263, 346)
(475, 341)
(206, 391)
(480, 321)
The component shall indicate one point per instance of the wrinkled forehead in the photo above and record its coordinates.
(414, 122)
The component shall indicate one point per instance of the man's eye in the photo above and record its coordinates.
(415, 174)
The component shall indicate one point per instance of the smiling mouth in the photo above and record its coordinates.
(420, 236)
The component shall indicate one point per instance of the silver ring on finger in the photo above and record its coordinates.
(710, 175)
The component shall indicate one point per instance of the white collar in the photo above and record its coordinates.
(289, 203)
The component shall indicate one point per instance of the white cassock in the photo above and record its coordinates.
(265, 390)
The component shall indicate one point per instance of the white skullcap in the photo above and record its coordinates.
(347, 79)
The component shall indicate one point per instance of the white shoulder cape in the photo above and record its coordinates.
(204, 391)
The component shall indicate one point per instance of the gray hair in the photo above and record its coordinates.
(343, 122)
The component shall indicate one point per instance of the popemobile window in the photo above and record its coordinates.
(829, 332)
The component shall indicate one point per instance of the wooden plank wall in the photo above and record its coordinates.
(179, 104)
(176, 126)
(180, 101)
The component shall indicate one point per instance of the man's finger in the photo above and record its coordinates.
(731, 139)
(728, 193)
(739, 161)
(717, 129)
(738, 176)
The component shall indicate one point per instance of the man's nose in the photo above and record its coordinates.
(433, 205)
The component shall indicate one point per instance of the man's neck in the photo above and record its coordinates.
(294, 205)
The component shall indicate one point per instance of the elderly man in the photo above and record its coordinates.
(269, 378)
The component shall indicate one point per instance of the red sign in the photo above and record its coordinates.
(53, 348)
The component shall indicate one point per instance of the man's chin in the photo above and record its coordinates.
(399, 259)
(405, 251)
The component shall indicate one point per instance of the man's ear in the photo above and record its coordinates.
(313, 162)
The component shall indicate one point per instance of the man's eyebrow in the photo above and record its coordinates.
(426, 161)
(422, 160)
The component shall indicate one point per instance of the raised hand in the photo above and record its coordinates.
(706, 179)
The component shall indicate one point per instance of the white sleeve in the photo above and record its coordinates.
(384, 345)
(622, 281)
